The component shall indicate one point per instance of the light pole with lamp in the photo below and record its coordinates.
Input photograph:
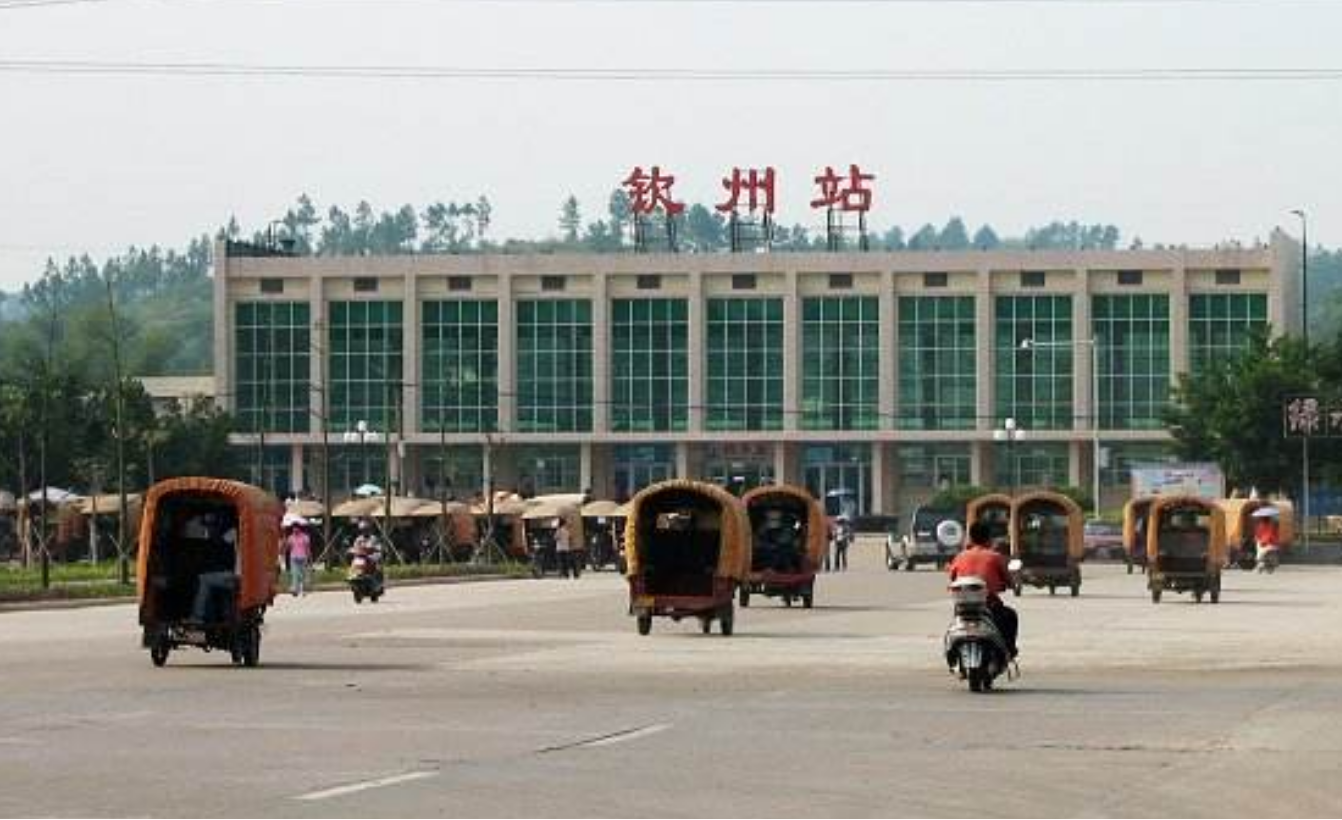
(1011, 433)
(1094, 342)
(1304, 334)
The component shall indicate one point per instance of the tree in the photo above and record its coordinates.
(1230, 412)
(985, 238)
(570, 221)
(705, 230)
(893, 239)
(954, 236)
(925, 239)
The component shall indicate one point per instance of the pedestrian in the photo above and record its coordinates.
(298, 549)
(564, 550)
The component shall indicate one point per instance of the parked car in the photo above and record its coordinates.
(1104, 540)
(934, 537)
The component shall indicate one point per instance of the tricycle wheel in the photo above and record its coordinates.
(975, 680)
(787, 600)
(249, 647)
(1052, 590)
(358, 596)
(908, 565)
(744, 595)
(159, 651)
(725, 622)
(706, 624)
(1216, 595)
(1129, 566)
(375, 596)
(1015, 589)
(1155, 595)
(807, 598)
(644, 624)
(1197, 595)
(1076, 588)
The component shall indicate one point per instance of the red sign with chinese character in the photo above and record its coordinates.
(757, 187)
(845, 194)
(647, 190)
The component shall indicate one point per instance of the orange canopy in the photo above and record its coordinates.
(1056, 503)
(732, 525)
(1210, 515)
(258, 542)
(817, 526)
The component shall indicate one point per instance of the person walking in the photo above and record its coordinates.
(298, 549)
(564, 550)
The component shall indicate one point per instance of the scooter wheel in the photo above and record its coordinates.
(358, 597)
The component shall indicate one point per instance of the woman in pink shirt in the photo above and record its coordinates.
(298, 548)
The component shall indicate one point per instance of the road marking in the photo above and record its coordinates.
(352, 788)
(611, 739)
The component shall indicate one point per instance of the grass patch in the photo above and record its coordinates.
(394, 572)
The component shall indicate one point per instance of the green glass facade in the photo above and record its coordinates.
(1123, 455)
(272, 349)
(459, 365)
(1134, 360)
(840, 354)
(365, 364)
(548, 468)
(937, 379)
(554, 365)
(932, 465)
(745, 364)
(635, 466)
(1220, 325)
(1034, 386)
(650, 365)
(1041, 464)
(460, 468)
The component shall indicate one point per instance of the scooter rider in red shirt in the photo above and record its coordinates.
(979, 559)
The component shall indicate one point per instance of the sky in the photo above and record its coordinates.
(94, 162)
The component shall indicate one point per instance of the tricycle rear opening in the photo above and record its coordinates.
(193, 565)
(681, 536)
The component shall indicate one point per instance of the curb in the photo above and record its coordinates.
(40, 604)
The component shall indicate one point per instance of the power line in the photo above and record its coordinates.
(692, 75)
(28, 4)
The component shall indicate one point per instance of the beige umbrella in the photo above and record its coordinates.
(305, 507)
(601, 509)
(356, 508)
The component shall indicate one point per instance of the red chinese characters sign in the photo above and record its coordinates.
(751, 189)
(647, 190)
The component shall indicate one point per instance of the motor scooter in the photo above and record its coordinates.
(1270, 559)
(365, 574)
(974, 648)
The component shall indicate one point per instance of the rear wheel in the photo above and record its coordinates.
(1052, 590)
(1197, 595)
(787, 600)
(891, 562)
(1155, 595)
(358, 595)
(1015, 589)
(1129, 566)
(159, 651)
(908, 565)
(1076, 588)
(807, 598)
(375, 596)
(744, 595)
(644, 624)
(725, 623)
(975, 680)
(249, 645)
(706, 624)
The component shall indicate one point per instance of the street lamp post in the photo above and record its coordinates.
(1304, 273)
(1094, 342)
(1304, 334)
(1011, 433)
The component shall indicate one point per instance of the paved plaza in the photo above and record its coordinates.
(539, 698)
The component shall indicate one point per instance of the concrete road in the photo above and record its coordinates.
(538, 698)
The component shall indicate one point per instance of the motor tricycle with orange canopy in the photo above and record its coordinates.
(1241, 549)
(789, 537)
(687, 548)
(1185, 547)
(1047, 542)
(1135, 515)
(993, 509)
(207, 566)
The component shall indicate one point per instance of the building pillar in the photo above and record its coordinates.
(698, 354)
(887, 407)
(884, 479)
(297, 479)
(980, 463)
(683, 467)
(410, 369)
(1179, 336)
(1086, 414)
(983, 356)
(792, 333)
(1076, 464)
(584, 465)
(319, 342)
(507, 361)
(600, 355)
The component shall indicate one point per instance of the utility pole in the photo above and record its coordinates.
(47, 365)
(120, 421)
